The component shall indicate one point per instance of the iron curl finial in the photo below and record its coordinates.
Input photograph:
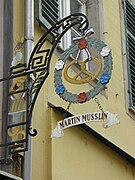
(32, 132)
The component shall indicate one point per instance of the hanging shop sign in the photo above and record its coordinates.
(90, 69)
(107, 118)
(24, 80)
(102, 65)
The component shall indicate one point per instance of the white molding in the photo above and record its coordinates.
(10, 175)
(65, 11)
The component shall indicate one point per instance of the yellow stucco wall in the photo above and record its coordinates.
(18, 20)
(115, 101)
(78, 155)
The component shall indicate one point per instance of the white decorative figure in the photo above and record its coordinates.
(111, 120)
(105, 51)
(18, 56)
(17, 59)
(57, 132)
(59, 65)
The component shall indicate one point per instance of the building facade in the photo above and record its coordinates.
(91, 150)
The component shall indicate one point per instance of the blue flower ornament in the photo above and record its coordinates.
(60, 89)
(104, 79)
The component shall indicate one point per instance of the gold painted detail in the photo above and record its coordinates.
(17, 105)
(17, 99)
(18, 102)
(16, 132)
(83, 76)
(17, 83)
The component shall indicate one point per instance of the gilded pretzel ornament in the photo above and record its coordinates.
(87, 76)
(103, 71)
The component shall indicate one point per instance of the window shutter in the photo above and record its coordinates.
(130, 38)
(47, 12)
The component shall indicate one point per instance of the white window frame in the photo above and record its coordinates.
(65, 11)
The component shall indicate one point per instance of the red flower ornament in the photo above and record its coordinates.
(82, 97)
(82, 43)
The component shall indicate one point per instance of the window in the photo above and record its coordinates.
(67, 8)
(130, 49)
(50, 11)
(47, 12)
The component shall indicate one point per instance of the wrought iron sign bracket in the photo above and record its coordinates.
(24, 83)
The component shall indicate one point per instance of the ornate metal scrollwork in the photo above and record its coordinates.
(41, 63)
(37, 68)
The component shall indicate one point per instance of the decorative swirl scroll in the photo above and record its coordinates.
(40, 57)
(32, 132)
(15, 132)
(27, 80)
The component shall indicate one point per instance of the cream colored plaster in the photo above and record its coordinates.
(18, 20)
(115, 103)
(78, 155)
